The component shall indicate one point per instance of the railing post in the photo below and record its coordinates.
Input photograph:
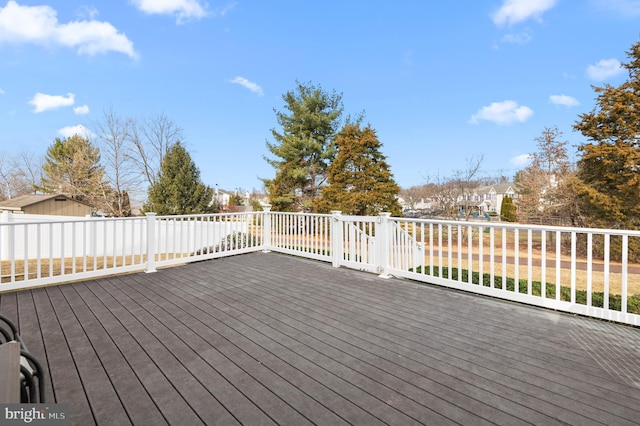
(266, 228)
(383, 227)
(91, 236)
(151, 243)
(4, 248)
(336, 238)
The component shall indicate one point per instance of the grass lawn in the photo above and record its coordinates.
(509, 283)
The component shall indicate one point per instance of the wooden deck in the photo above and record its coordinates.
(272, 339)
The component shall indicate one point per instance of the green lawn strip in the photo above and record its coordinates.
(597, 298)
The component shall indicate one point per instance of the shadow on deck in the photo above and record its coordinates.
(272, 339)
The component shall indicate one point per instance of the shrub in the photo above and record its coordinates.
(234, 241)
(508, 210)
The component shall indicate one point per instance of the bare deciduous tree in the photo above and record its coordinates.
(8, 177)
(118, 158)
(545, 185)
(151, 141)
(31, 167)
(131, 153)
(416, 194)
(465, 181)
(18, 174)
(454, 194)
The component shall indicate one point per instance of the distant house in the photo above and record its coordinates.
(263, 199)
(224, 198)
(484, 199)
(47, 204)
(489, 198)
(221, 198)
(418, 205)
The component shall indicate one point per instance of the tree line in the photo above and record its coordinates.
(599, 190)
(119, 157)
(324, 161)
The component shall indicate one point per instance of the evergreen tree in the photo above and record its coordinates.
(284, 189)
(305, 147)
(360, 181)
(608, 170)
(71, 167)
(508, 210)
(178, 189)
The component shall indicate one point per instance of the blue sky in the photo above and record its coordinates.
(441, 82)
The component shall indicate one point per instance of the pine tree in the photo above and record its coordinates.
(305, 147)
(360, 180)
(71, 167)
(608, 170)
(508, 210)
(178, 189)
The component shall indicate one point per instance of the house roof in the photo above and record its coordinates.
(503, 187)
(31, 199)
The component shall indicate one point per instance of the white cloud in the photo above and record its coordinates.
(505, 112)
(520, 160)
(78, 129)
(516, 11)
(84, 109)
(182, 9)
(93, 37)
(39, 25)
(248, 85)
(223, 10)
(564, 100)
(88, 12)
(43, 102)
(604, 69)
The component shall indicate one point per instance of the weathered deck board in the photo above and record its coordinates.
(64, 376)
(122, 376)
(273, 339)
(449, 337)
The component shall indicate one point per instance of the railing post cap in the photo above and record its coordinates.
(149, 214)
(336, 212)
(385, 214)
(266, 207)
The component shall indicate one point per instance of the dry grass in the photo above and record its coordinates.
(504, 247)
(535, 270)
(54, 267)
(581, 277)
(50, 268)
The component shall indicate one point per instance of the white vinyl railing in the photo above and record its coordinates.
(35, 252)
(307, 235)
(198, 237)
(355, 242)
(594, 272)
